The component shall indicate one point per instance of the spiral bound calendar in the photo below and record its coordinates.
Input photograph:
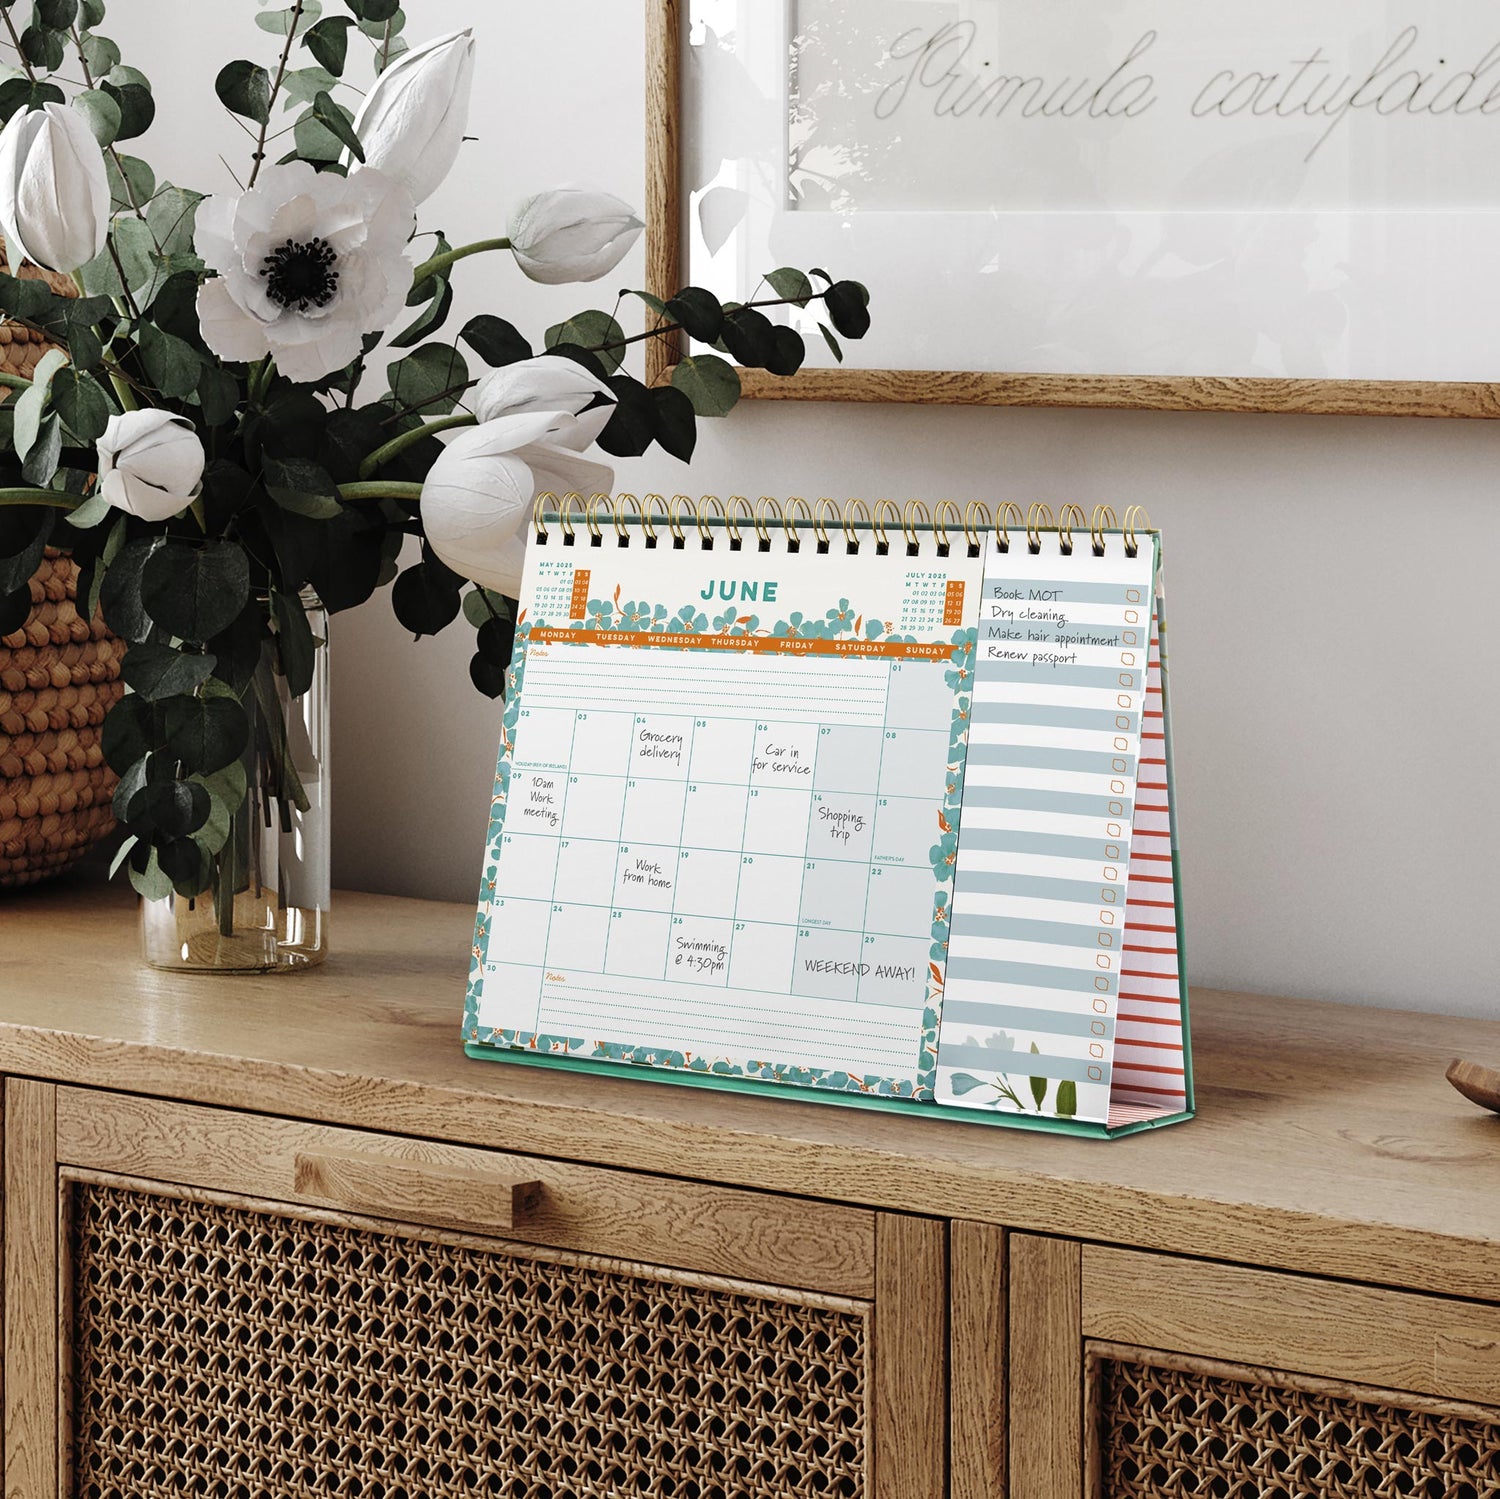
(868, 807)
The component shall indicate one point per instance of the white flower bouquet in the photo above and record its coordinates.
(231, 415)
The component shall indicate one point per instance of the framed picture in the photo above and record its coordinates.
(1256, 205)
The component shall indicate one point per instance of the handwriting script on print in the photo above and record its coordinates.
(945, 72)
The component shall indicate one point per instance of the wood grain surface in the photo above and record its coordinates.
(1045, 1380)
(689, 1225)
(911, 1331)
(1430, 1344)
(31, 1340)
(1327, 1140)
(977, 1360)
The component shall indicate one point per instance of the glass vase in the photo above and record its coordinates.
(267, 908)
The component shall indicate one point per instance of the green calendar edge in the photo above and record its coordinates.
(954, 1113)
(957, 1113)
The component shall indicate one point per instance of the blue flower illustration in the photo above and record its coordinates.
(841, 619)
(601, 614)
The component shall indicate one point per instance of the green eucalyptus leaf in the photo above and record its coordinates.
(430, 380)
(483, 604)
(338, 122)
(244, 88)
(709, 382)
(787, 352)
(31, 404)
(654, 303)
(495, 640)
(218, 395)
(425, 598)
(93, 510)
(495, 341)
(21, 93)
(42, 48)
(280, 22)
(158, 671)
(595, 331)
(122, 853)
(172, 809)
(676, 422)
(303, 85)
(373, 10)
(132, 730)
(172, 365)
(100, 54)
(24, 533)
(170, 214)
(194, 592)
(41, 463)
(792, 284)
(130, 783)
(81, 402)
(186, 862)
(750, 336)
(848, 305)
(432, 317)
(831, 341)
(93, 13)
(699, 312)
(131, 187)
(58, 14)
(296, 646)
(15, 609)
(328, 41)
(137, 107)
(486, 676)
(631, 427)
(206, 733)
(102, 112)
(120, 597)
(146, 875)
(301, 486)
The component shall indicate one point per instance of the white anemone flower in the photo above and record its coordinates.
(308, 263)
(572, 234)
(150, 463)
(477, 498)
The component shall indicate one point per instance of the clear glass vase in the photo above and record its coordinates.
(267, 909)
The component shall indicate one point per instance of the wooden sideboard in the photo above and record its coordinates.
(279, 1236)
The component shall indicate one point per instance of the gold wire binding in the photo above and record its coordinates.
(1105, 519)
(596, 506)
(539, 514)
(648, 525)
(939, 525)
(1004, 513)
(909, 526)
(764, 503)
(1135, 515)
(1038, 519)
(674, 517)
(972, 527)
(881, 506)
(735, 502)
(791, 519)
(1070, 516)
(820, 529)
(565, 514)
(698, 509)
(849, 523)
(621, 501)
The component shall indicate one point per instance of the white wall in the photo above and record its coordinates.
(1331, 581)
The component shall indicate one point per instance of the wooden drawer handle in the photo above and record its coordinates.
(441, 1196)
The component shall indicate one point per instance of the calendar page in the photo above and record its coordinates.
(725, 815)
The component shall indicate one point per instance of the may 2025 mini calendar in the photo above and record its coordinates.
(883, 816)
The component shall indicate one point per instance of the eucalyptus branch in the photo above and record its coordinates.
(398, 445)
(662, 329)
(293, 23)
(379, 490)
(454, 391)
(114, 151)
(10, 26)
(50, 497)
(440, 263)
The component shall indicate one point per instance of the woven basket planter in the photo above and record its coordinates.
(59, 676)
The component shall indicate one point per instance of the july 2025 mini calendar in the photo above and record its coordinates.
(855, 818)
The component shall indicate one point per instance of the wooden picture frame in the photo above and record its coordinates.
(665, 269)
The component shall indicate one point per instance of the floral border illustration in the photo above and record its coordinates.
(839, 621)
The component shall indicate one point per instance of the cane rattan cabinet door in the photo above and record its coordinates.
(253, 1306)
(1142, 1376)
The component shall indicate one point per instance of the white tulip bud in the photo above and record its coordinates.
(477, 498)
(150, 463)
(412, 121)
(572, 234)
(54, 192)
(550, 382)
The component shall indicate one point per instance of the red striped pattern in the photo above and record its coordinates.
(1149, 1077)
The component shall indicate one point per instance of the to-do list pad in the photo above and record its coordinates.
(726, 812)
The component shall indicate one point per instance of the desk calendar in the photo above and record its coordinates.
(861, 817)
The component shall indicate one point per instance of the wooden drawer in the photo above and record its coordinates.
(685, 1225)
(1144, 1376)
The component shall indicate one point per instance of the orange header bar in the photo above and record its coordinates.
(749, 645)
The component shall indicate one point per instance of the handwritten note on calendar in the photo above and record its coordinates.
(729, 800)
